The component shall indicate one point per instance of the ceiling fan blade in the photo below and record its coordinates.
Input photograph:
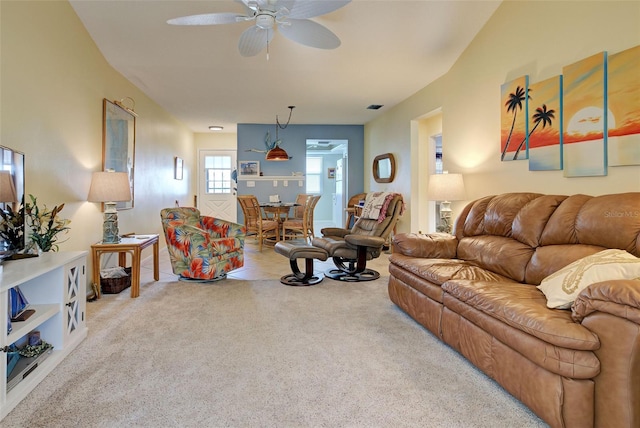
(208, 19)
(309, 9)
(309, 33)
(253, 40)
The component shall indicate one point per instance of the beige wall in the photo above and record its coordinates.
(537, 38)
(216, 141)
(53, 81)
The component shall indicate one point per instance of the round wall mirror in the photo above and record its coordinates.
(384, 168)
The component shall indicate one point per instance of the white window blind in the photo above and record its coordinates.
(314, 175)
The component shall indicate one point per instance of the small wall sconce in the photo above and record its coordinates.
(125, 107)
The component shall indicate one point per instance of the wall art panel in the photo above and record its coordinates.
(585, 122)
(513, 119)
(545, 125)
(623, 142)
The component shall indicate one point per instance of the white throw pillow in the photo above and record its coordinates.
(562, 287)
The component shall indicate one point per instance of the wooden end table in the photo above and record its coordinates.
(132, 245)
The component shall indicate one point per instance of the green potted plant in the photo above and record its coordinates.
(45, 225)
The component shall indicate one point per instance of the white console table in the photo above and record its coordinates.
(54, 284)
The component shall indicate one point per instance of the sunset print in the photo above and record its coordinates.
(585, 121)
(513, 118)
(624, 104)
(545, 125)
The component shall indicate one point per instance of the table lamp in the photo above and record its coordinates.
(110, 187)
(446, 188)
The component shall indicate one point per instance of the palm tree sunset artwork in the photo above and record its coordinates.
(545, 125)
(584, 135)
(513, 118)
(623, 143)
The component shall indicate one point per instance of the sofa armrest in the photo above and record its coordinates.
(435, 245)
(620, 298)
(219, 228)
(197, 237)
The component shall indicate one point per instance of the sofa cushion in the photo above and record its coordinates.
(504, 256)
(438, 271)
(470, 337)
(523, 307)
(551, 258)
(562, 287)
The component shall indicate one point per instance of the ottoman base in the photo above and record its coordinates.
(295, 250)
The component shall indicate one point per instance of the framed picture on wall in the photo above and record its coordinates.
(249, 169)
(331, 173)
(178, 168)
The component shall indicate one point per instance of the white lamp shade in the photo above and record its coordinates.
(446, 187)
(109, 187)
(7, 189)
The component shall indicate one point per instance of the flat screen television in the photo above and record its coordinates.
(12, 162)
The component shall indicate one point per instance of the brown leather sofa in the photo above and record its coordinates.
(476, 291)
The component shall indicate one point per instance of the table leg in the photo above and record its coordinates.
(95, 256)
(156, 261)
(122, 258)
(135, 272)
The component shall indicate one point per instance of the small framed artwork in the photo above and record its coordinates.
(249, 169)
(331, 173)
(178, 168)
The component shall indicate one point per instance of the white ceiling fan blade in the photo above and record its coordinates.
(253, 40)
(309, 33)
(303, 9)
(208, 19)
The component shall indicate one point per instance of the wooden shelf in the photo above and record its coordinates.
(54, 284)
(43, 313)
(273, 177)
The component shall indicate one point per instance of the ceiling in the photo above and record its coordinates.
(390, 49)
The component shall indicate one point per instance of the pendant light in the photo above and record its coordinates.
(277, 153)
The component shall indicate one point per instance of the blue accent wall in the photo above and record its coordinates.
(294, 141)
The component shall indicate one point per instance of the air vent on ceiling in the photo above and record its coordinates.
(374, 107)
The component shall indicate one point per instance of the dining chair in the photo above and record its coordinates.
(294, 227)
(311, 229)
(351, 210)
(298, 209)
(255, 222)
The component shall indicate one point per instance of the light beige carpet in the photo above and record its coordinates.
(241, 353)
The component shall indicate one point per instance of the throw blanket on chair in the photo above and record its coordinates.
(376, 204)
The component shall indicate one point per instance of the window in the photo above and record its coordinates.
(314, 175)
(217, 174)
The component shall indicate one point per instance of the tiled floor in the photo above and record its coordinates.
(265, 264)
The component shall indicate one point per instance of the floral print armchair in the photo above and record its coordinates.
(201, 247)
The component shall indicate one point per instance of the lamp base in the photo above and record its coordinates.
(110, 232)
(445, 216)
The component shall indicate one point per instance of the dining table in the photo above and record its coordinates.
(278, 211)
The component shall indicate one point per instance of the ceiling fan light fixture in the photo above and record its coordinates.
(277, 154)
(290, 17)
(265, 21)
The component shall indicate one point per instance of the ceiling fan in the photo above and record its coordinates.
(291, 17)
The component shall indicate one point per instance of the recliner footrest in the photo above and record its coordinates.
(298, 249)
